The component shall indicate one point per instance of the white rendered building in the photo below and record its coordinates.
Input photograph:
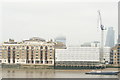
(88, 54)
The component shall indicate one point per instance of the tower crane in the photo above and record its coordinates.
(102, 38)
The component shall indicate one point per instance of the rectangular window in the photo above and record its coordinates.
(36, 57)
(36, 54)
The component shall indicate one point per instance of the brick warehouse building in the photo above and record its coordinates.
(32, 51)
(115, 55)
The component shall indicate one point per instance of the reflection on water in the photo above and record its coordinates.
(36, 73)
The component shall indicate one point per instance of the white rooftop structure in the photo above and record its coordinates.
(91, 44)
(31, 41)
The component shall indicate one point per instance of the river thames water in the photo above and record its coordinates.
(42, 73)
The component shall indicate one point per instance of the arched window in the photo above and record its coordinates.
(46, 47)
(41, 47)
(9, 48)
(13, 48)
(27, 47)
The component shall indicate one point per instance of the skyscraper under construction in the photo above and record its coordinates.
(110, 37)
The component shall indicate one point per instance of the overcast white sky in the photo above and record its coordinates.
(77, 20)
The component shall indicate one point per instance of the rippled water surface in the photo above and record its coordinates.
(41, 73)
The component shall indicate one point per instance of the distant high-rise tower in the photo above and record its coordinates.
(119, 22)
(110, 37)
(119, 28)
(118, 38)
